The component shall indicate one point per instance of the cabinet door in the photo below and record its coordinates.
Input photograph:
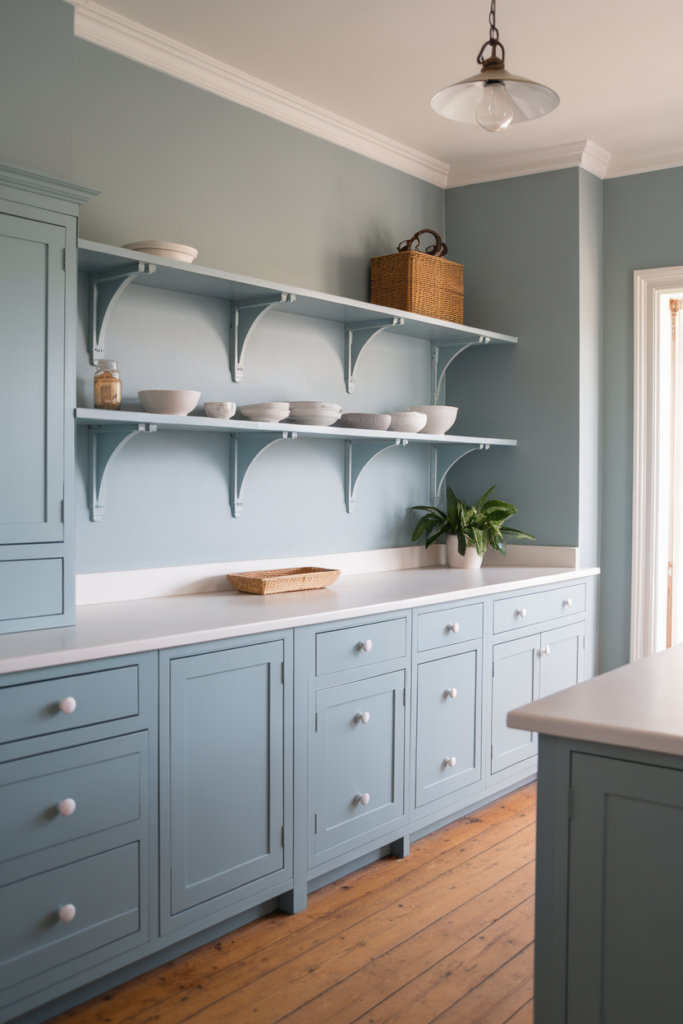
(447, 726)
(625, 941)
(32, 309)
(515, 681)
(353, 758)
(227, 761)
(563, 658)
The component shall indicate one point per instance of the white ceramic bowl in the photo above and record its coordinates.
(220, 410)
(440, 418)
(315, 418)
(408, 422)
(169, 403)
(169, 250)
(266, 412)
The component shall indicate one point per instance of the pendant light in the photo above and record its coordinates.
(494, 98)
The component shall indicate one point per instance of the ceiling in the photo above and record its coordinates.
(377, 63)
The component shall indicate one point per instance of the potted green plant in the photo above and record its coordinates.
(469, 529)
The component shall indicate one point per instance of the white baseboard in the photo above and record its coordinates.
(174, 580)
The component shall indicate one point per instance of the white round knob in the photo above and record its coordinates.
(364, 718)
(452, 693)
(521, 612)
(568, 602)
(364, 799)
(450, 761)
(66, 807)
(366, 645)
(68, 705)
(66, 913)
(454, 627)
(546, 649)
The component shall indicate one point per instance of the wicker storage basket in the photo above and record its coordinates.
(281, 581)
(418, 282)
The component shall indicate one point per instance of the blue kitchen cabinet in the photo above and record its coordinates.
(225, 749)
(624, 937)
(447, 726)
(357, 763)
(357, 693)
(609, 886)
(38, 247)
(77, 770)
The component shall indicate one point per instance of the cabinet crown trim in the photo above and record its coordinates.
(45, 184)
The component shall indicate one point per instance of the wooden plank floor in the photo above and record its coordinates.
(444, 935)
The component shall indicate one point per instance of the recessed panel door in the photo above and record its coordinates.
(226, 750)
(448, 754)
(516, 666)
(32, 306)
(563, 658)
(358, 750)
(625, 907)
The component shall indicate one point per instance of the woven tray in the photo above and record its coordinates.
(281, 581)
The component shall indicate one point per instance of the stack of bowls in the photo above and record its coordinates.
(266, 412)
(314, 414)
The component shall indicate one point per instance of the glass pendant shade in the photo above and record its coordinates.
(525, 99)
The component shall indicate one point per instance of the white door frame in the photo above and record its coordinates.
(648, 574)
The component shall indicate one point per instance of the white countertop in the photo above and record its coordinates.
(639, 705)
(129, 627)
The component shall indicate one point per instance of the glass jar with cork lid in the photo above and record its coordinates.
(107, 384)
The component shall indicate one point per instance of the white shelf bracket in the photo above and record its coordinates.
(105, 290)
(104, 444)
(439, 372)
(244, 450)
(243, 319)
(358, 455)
(356, 338)
(442, 458)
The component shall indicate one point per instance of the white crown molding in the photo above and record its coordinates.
(98, 25)
(584, 154)
(641, 161)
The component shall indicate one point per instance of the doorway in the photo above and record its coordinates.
(657, 553)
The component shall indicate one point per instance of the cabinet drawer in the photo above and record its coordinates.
(31, 587)
(33, 709)
(449, 626)
(341, 649)
(104, 889)
(102, 779)
(518, 612)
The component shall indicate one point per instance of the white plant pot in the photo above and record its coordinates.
(470, 560)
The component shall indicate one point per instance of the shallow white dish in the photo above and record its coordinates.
(440, 418)
(169, 250)
(266, 412)
(220, 410)
(315, 418)
(408, 422)
(169, 403)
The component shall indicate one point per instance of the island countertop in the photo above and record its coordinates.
(130, 627)
(639, 705)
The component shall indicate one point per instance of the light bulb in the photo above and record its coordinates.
(495, 110)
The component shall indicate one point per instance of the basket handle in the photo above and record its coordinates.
(438, 249)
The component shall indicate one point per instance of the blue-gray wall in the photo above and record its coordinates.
(643, 229)
(519, 242)
(256, 197)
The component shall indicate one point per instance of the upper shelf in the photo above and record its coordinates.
(107, 263)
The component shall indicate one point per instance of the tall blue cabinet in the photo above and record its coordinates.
(38, 257)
